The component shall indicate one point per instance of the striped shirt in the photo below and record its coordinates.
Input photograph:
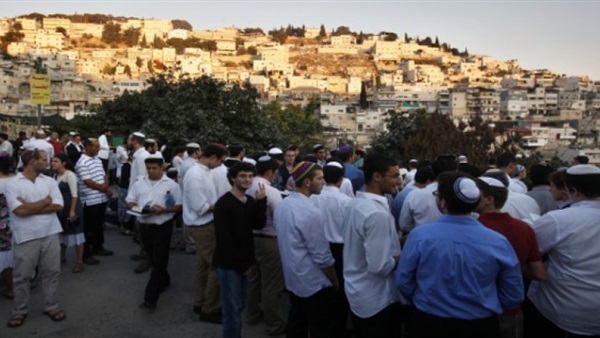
(90, 168)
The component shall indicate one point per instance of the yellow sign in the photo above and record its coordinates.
(40, 89)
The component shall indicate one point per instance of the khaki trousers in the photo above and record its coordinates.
(45, 253)
(266, 286)
(206, 284)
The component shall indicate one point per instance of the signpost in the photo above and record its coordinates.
(40, 93)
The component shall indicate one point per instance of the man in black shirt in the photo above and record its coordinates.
(236, 214)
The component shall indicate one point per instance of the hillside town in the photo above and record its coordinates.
(357, 78)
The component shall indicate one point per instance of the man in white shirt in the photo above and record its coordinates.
(104, 148)
(308, 266)
(94, 193)
(372, 250)
(163, 198)
(199, 198)
(518, 205)
(507, 163)
(266, 286)
(39, 142)
(5, 144)
(138, 164)
(332, 203)
(420, 206)
(193, 152)
(566, 304)
(33, 200)
(410, 175)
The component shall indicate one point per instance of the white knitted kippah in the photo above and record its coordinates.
(466, 190)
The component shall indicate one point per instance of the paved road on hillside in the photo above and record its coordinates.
(102, 301)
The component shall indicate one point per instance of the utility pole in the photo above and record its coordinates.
(40, 89)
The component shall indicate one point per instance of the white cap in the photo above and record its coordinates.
(492, 182)
(193, 145)
(150, 140)
(583, 169)
(249, 160)
(462, 159)
(275, 151)
(414, 160)
(334, 164)
(138, 134)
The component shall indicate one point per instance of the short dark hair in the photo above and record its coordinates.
(505, 159)
(238, 168)
(191, 150)
(310, 158)
(558, 178)
(447, 192)
(154, 160)
(443, 164)
(333, 174)
(582, 159)
(310, 174)
(4, 136)
(345, 155)
(235, 150)
(539, 174)
(588, 185)
(64, 158)
(424, 174)
(6, 163)
(497, 174)
(499, 194)
(214, 149)
(377, 163)
(105, 130)
(89, 141)
(30, 154)
(263, 166)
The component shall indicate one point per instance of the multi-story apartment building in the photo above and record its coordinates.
(483, 101)
(542, 101)
(513, 104)
(386, 50)
(51, 24)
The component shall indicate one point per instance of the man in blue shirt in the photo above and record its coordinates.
(356, 176)
(457, 273)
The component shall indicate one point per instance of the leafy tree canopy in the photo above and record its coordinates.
(206, 110)
(181, 24)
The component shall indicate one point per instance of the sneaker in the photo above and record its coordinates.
(102, 252)
(91, 261)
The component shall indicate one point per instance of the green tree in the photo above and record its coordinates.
(127, 70)
(108, 69)
(144, 43)
(296, 125)
(364, 104)
(131, 36)
(62, 31)
(178, 44)
(390, 36)
(111, 33)
(322, 32)
(158, 43)
(139, 63)
(202, 110)
(209, 45)
(181, 24)
(252, 50)
(150, 67)
(342, 30)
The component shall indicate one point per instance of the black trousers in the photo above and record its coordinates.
(93, 227)
(342, 307)
(538, 326)
(157, 240)
(424, 325)
(386, 323)
(313, 314)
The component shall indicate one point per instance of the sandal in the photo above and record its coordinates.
(56, 315)
(16, 320)
(78, 268)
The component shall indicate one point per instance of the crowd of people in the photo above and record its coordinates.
(345, 245)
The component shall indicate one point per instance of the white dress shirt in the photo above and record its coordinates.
(273, 200)
(176, 162)
(186, 165)
(346, 188)
(371, 242)
(410, 176)
(26, 228)
(303, 249)
(199, 193)
(7, 147)
(138, 165)
(570, 296)
(222, 184)
(145, 192)
(521, 206)
(122, 158)
(104, 147)
(418, 208)
(331, 202)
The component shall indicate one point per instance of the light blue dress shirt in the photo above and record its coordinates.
(455, 267)
(371, 242)
(303, 248)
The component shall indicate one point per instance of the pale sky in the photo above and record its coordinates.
(563, 36)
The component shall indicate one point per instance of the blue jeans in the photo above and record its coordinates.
(233, 287)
